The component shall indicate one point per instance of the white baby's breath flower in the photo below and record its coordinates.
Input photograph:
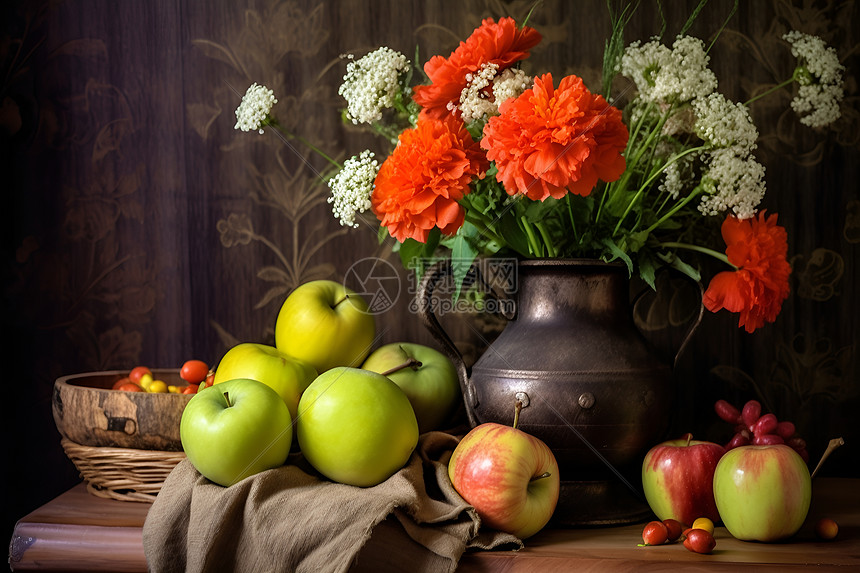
(820, 77)
(371, 83)
(662, 75)
(724, 124)
(733, 183)
(475, 99)
(677, 174)
(819, 102)
(474, 103)
(511, 83)
(255, 107)
(352, 187)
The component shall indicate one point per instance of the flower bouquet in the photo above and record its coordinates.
(487, 161)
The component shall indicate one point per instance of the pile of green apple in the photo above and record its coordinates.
(354, 414)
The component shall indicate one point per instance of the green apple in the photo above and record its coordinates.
(427, 376)
(236, 429)
(284, 374)
(356, 427)
(762, 492)
(510, 478)
(325, 324)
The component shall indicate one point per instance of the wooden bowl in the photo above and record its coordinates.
(89, 413)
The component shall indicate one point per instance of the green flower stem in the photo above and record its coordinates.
(484, 224)
(547, 240)
(274, 123)
(710, 252)
(646, 147)
(572, 221)
(678, 206)
(648, 182)
(534, 244)
(771, 90)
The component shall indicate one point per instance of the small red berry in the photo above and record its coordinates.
(655, 533)
(699, 541)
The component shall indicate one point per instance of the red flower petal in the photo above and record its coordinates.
(758, 247)
(550, 141)
(419, 184)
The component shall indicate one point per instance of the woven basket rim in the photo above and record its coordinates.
(125, 474)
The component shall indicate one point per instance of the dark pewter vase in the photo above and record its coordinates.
(589, 384)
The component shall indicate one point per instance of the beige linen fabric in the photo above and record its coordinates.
(289, 519)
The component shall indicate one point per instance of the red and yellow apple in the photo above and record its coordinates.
(510, 477)
(762, 492)
(284, 374)
(355, 426)
(427, 376)
(326, 325)
(678, 479)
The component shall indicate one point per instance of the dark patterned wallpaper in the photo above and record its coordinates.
(140, 227)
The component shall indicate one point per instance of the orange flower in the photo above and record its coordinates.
(548, 141)
(758, 247)
(502, 44)
(418, 186)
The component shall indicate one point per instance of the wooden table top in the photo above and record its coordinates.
(78, 531)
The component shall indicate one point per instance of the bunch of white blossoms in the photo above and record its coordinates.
(352, 187)
(475, 100)
(662, 75)
(734, 180)
(254, 108)
(371, 84)
(820, 77)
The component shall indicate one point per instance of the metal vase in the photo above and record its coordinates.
(589, 384)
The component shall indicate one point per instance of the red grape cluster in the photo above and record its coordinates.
(753, 427)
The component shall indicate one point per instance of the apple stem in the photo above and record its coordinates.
(346, 296)
(541, 476)
(227, 398)
(834, 443)
(409, 363)
(517, 409)
(689, 438)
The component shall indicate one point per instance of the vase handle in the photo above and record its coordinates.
(426, 310)
(694, 325)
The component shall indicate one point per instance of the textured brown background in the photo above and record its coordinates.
(140, 228)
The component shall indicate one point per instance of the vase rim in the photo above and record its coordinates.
(570, 262)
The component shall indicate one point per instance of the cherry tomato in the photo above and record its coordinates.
(826, 528)
(137, 372)
(673, 526)
(700, 541)
(190, 389)
(131, 387)
(157, 387)
(194, 371)
(655, 533)
(120, 382)
(704, 523)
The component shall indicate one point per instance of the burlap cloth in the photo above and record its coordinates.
(289, 519)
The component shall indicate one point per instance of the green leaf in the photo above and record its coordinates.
(463, 254)
(688, 270)
(410, 249)
(514, 235)
(648, 271)
(617, 253)
(382, 234)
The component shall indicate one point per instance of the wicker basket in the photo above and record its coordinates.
(122, 473)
